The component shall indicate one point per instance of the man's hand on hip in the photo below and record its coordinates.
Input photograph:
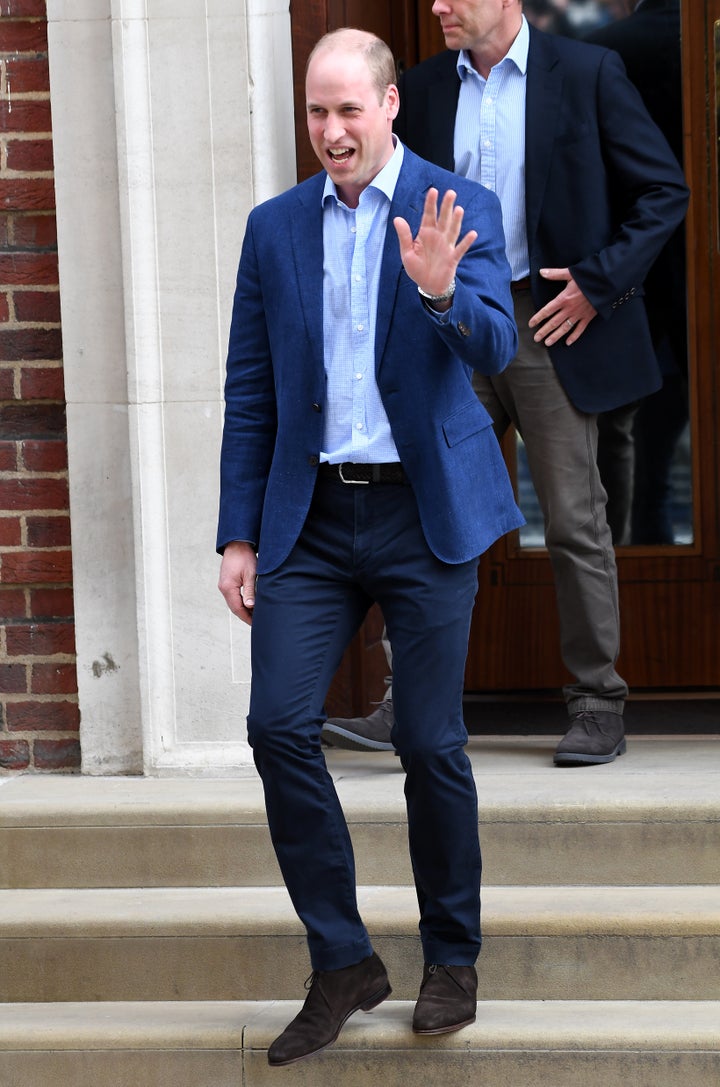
(567, 314)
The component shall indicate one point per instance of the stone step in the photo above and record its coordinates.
(512, 1044)
(634, 943)
(651, 817)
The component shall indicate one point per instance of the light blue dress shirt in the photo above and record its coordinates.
(356, 425)
(490, 139)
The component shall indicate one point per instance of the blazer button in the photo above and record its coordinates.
(316, 406)
(313, 461)
(463, 329)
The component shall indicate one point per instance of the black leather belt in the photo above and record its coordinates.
(518, 285)
(348, 472)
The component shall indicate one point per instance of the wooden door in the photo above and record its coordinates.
(669, 595)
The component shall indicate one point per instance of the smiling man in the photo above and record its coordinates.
(357, 466)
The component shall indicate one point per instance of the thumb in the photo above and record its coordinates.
(555, 273)
(403, 231)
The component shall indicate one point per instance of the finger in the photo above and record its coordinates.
(554, 331)
(464, 244)
(447, 211)
(576, 333)
(429, 216)
(234, 599)
(549, 331)
(404, 233)
(544, 314)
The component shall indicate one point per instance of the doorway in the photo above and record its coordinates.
(669, 590)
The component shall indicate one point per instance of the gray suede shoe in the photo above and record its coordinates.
(594, 736)
(362, 733)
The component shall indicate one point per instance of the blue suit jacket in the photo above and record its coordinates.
(275, 389)
(603, 193)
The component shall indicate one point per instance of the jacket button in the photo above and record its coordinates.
(316, 406)
(313, 461)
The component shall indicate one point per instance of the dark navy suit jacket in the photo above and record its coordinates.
(603, 194)
(276, 388)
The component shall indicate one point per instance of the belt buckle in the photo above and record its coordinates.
(352, 482)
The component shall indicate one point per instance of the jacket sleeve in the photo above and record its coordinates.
(250, 420)
(480, 325)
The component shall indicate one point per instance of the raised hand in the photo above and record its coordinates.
(432, 257)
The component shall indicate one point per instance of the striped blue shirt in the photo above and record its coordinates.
(490, 139)
(356, 425)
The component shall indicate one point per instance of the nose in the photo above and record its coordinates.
(440, 8)
(334, 128)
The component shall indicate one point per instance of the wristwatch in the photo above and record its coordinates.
(444, 297)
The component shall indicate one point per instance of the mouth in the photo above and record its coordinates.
(339, 155)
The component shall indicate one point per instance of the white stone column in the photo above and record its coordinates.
(171, 118)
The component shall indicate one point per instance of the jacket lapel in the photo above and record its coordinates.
(442, 105)
(408, 201)
(306, 231)
(542, 105)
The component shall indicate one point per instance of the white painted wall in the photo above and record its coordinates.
(171, 119)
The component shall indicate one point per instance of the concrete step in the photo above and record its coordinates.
(651, 817)
(512, 1044)
(634, 943)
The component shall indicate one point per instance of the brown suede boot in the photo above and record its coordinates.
(332, 998)
(447, 1000)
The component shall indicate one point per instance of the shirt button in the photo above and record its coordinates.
(358, 426)
(359, 377)
(360, 328)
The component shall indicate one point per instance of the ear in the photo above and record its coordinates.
(392, 101)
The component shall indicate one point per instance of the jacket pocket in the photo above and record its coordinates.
(465, 422)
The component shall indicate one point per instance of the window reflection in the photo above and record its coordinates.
(644, 448)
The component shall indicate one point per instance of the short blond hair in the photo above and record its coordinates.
(378, 56)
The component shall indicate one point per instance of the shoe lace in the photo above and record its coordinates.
(584, 719)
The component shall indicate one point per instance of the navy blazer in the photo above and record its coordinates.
(275, 390)
(603, 193)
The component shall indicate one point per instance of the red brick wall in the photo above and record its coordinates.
(39, 714)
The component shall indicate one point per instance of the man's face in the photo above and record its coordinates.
(471, 24)
(350, 129)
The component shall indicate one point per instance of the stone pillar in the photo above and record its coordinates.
(171, 119)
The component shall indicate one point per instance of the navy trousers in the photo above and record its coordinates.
(362, 544)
